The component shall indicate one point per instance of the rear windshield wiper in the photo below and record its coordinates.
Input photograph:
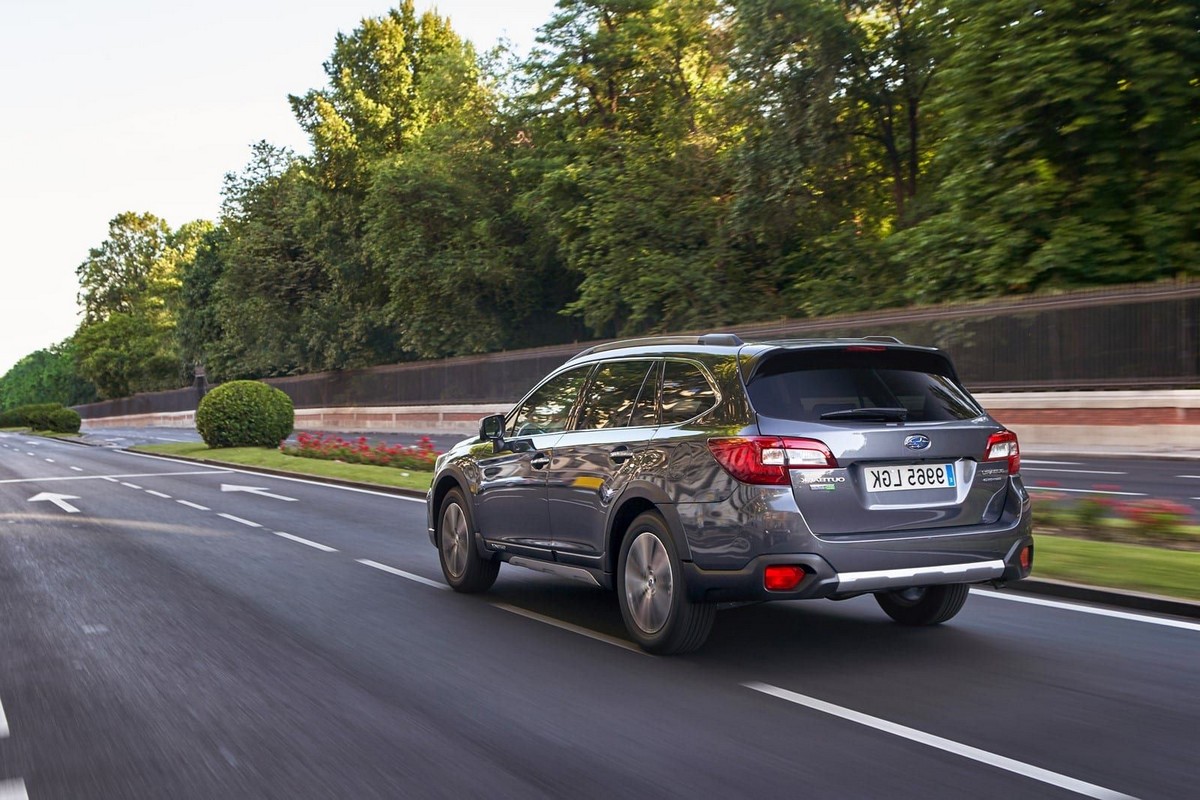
(886, 414)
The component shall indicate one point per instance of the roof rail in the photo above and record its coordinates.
(892, 339)
(709, 339)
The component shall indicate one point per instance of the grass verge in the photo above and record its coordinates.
(1119, 566)
(273, 459)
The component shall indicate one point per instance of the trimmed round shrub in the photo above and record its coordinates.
(245, 414)
(64, 420)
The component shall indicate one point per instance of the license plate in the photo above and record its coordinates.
(919, 476)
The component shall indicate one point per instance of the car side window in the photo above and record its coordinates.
(645, 410)
(686, 392)
(609, 399)
(548, 409)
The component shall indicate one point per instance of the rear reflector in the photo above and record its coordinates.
(1003, 446)
(765, 460)
(1027, 558)
(782, 577)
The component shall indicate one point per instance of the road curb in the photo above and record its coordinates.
(1140, 601)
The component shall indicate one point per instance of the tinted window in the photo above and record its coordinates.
(548, 409)
(803, 386)
(612, 394)
(686, 393)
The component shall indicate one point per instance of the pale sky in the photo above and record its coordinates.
(144, 105)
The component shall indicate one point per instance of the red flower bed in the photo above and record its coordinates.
(334, 448)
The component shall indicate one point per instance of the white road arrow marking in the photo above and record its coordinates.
(258, 490)
(59, 500)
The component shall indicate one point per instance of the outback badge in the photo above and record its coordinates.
(917, 442)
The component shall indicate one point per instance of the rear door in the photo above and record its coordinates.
(909, 441)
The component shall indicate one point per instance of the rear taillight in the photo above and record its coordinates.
(765, 460)
(1003, 446)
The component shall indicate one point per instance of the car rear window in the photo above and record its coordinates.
(803, 385)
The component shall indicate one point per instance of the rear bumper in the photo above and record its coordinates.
(822, 580)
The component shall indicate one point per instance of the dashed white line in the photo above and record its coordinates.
(401, 573)
(946, 745)
(190, 504)
(566, 626)
(239, 519)
(158, 494)
(1055, 463)
(1193, 477)
(1072, 471)
(3, 723)
(49, 460)
(31, 454)
(110, 480)
(1083, 491)
(77, 469)
(130, 485)
(13, 790)
(1100, 612)
(322, 547)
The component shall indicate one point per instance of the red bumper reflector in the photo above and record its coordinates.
(1027, 558)
(782, 577)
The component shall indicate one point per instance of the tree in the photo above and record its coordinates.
(118, 274)
(46, 376)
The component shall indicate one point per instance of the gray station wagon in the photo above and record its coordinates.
(690, 472)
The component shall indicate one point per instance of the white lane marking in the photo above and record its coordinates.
(566, 626)
(190, 504)
(283, 478)
(401, 573)
(59, 500)
(258, 490)
(49, 460)
(31, 454)
(3, 723)
(322, 547)
(130, 485)
(1072, 471)
(1082, 491)
(937, 742)
(239, 519)
(1193, 477)
(1100, 612)
(77, 469)
(1025, 460)
(158, 494)
(13, 790)
(34, 444)
(114, 478)
(94, 630)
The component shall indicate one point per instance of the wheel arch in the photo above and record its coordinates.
(632, 504)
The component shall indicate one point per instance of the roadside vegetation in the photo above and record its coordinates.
(660, 165)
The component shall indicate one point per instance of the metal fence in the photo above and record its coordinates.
(1131, 337)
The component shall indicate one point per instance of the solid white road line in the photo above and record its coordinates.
(261, 476)
(566, 626)
(939, 743)
(3, 722)
(13, 790)
(401, 573)
(1082, 491)
(1071, 471)
(322, 547)
(114, 478)
(239, 519)
(190, 504)
(158, 494)
(1099, 612)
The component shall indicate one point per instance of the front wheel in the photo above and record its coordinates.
(654, 604)
(462, 565)
(923, 605)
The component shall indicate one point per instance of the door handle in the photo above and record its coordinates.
(540, 461)
(620, 455)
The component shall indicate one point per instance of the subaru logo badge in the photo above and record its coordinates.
(917, 442)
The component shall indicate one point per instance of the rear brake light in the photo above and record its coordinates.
(782, 577)
(865, 348)
(1003, 446)
(765, 460)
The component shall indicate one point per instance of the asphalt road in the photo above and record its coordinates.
(178, 636)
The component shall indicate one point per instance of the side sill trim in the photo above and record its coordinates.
(561, 570)
(972, 572)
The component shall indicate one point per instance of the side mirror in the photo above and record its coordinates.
(492, 429)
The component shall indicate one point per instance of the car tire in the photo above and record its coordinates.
(651, 591)
(463, 567)
(923, 605)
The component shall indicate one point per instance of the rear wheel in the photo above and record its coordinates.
(654, 604)
(462, 565)
(923, 605)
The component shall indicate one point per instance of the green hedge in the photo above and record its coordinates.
(51, 417)
(245, 414)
